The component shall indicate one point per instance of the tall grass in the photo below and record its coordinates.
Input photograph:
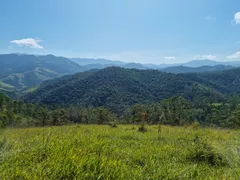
(102, 152)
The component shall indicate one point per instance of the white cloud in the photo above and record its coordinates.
(170, 58)
(210, 57)
(234, 56)
(28, 42)
(237, 18)
(210, 18)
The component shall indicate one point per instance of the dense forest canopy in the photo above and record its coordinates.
(176, 111)
(117, 88)
(119, 95)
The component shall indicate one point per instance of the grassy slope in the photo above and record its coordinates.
(28, 79)
(101, 152)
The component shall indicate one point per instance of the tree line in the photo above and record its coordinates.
(176, 111)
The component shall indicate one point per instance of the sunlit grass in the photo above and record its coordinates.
(102, 152)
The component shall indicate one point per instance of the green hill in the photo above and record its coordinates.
(117, 88)
(226, 82)
(20, 71)
(28, 79)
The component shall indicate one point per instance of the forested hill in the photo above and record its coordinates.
(226, 82)
(18, 71)
(117, 88)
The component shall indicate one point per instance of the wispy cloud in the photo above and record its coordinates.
(170, 58)
(10, 47)
(237, 18)
(28, 42)
(210, 18)
(234, 56)
(210, 57)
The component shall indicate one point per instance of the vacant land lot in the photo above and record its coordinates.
(103, 152)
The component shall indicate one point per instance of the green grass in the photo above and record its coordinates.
(102, 152)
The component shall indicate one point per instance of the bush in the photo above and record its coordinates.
(113, 124)
(202, 152)
(195, 125)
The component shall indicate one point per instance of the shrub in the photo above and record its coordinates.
(195, 125)
(113, 124)
(202, 152)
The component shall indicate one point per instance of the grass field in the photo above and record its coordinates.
(102, 152)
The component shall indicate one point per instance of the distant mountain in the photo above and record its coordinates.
(28, 79)
(184, 69)
(22, 71)
(20, 63)
(133, 66)
(88, 61)
(199, 63)
(88, 64)
(195, 64)
(19, 71)
(117, 88)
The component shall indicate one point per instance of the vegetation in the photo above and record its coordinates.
(116, 88)
(176, 111)
(58, 142)
(102, 152)
(20, 71)
(20, 81)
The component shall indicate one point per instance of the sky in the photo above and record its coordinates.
(142, 31)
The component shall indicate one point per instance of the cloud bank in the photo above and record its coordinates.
(28, 42)
(234, 56)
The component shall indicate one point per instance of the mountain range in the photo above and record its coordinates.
(185, 69)
(20, 71)
(23, 72)
(191, 66)
(193, 63)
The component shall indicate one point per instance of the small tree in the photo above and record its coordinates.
(143, 118)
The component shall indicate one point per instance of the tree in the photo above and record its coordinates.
(103, 115)
(177, 111)
(234, 120)
(59, 117)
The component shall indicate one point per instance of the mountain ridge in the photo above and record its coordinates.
(17, 69)
(117, 88)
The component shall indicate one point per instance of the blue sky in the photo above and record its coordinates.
(144, 31)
